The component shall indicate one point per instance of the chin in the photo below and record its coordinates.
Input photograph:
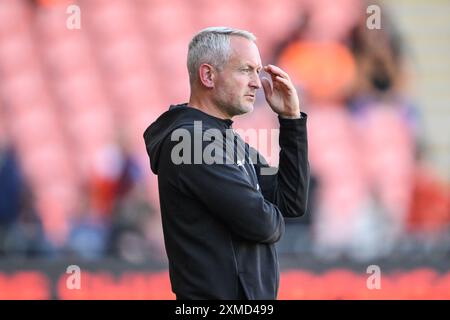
(246, 108)
(242, 109)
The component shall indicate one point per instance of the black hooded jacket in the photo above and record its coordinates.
(221, 220)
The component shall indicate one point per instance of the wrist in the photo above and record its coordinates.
(296, 115)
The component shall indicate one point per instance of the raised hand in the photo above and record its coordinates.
(282, 96)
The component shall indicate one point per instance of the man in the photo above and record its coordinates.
(222, 219)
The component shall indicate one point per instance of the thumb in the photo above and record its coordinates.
(267, 87)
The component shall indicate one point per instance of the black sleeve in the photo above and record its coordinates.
(287, 187)
(226, 193)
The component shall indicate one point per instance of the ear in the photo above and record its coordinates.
(206, 74)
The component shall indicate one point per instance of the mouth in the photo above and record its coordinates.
(250, 95)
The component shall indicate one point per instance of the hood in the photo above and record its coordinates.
(176, 117)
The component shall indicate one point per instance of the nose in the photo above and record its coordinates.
(255, 82)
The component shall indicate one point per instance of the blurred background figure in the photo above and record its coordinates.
(74, 103)
(21, 232)
(362, 129)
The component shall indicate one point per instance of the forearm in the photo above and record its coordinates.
(291, 192)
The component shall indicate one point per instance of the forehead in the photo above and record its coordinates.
(244, 51)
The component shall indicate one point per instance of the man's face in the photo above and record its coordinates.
(236, 83)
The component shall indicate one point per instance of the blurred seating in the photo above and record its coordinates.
(39, 115)
(69, 95)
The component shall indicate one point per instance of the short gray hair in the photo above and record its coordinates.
(212, 46)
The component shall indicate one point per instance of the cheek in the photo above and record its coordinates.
(241, 85)
(234, 87)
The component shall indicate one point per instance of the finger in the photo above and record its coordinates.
(285, 82)
(276, 71)
(267, 87)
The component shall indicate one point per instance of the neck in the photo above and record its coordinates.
(205, 104)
